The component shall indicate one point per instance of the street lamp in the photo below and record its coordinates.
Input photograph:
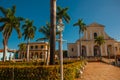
(60, 28)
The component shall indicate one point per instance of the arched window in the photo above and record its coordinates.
(95, 35)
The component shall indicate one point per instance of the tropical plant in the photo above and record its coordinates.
(99, 41)
(52, 30)
(9, 22)
(22, 48)
(82, 28)
(29, 33)
(45, 30)
(62, 15)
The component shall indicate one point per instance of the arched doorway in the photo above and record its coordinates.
(96, 51)
(84, 51)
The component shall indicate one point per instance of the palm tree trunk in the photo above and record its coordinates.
(52, 30)
(5, 49)
(28, 50)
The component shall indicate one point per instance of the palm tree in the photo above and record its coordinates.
(10, 23)
(62, 15)
(99, 41)
(22, 48)
(52, 30)
(82, 28)
(45, 30)
(29, 33)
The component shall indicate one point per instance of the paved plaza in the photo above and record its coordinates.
(100, 71)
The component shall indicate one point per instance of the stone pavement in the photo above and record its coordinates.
(100, 71)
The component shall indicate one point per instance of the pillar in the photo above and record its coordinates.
(91, 35)
(92, 50)
(106, 49)
(78, 49)
(87, 50)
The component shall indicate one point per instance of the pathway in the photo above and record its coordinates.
(100, 71)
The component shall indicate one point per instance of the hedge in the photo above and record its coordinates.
(40, 72)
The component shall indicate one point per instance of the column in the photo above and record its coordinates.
(87, 50)
(104, 34)
(78, 47)
(91, 35)
(92, 50)
(68, 52)
(106, 49)
(115, 54)
(86, 36)
(45, 55)
(99, 33)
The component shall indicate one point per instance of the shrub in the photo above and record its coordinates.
(33, 72)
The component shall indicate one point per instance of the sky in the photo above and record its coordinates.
(105, 12)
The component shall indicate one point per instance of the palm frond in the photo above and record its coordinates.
(18, 31)
(1, 27)
(59, 8)
(3, 10)
(20, 18)
(29, 30)
(65, 9)
(66, 18)
(76, 24)
(62, 14)
(13, 9)
(42, 39)
(4, 19)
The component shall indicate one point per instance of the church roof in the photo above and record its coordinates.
(96, 25)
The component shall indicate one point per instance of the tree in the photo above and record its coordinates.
(52, 30)
(22, 48)
(45, 30)
(62, 15)
(29, 33)
(10, 23)
(82, 28)
(99, 41)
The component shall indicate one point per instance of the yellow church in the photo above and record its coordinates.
(88, 46)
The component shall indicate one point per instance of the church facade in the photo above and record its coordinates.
(89, 47)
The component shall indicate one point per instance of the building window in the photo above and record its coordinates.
(31, 47)
(72, 49)
(95, 35)
(36, 47)
(41, 55)
(42, 46)
(36, 54)
(31, 55)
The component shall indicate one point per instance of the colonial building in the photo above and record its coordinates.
(88, 45)
(37, 50)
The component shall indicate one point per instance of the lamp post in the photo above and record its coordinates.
(60, 28)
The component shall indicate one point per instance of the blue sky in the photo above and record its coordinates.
(106, 12)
